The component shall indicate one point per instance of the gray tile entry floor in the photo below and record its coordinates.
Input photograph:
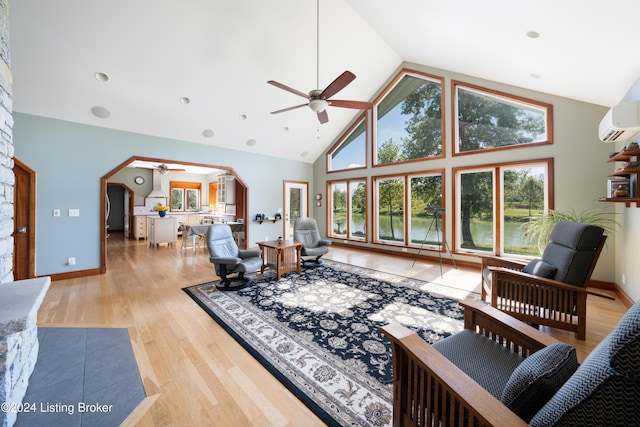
(83, 377)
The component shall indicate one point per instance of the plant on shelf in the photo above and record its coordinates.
(538, 229)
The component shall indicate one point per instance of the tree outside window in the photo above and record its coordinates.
(487, 120)
(409, 118)
(482, 217)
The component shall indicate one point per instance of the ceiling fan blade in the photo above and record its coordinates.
(288, 109)
(351, 104)
(338, 84)
(288, 89)
(323, 116)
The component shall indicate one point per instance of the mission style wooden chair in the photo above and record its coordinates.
(500, 371)
(551, 291)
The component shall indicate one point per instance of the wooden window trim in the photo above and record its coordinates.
(496, 168)
(384, 93)
(364, 117)
(508, 96)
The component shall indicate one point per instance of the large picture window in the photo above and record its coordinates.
(409, 120)
(350, 151)
(486, 120)
(493, 202)
(348, 209)
(406, 207)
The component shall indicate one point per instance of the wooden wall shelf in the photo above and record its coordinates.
(260, 221)
(632, 173)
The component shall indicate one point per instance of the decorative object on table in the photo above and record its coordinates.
(278, 215)
(162, 210)
(296, 328)
(280, 240)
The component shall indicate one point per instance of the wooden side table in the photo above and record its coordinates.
(282, 256)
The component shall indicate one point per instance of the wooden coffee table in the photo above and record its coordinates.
(282, 256)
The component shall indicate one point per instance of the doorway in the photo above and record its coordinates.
(296, 205)
(119, 208)
(242, 195)
(24, 221)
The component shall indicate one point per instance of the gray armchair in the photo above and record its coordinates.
(228, 259)
(305, 230)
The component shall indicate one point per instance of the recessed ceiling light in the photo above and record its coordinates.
(101, 112)
(185, 100)
(535, 75)
(533, 34)
(304, 154)
(102, 77)
(286, 128)
(243, 117)
(208, 133)
(251, 142)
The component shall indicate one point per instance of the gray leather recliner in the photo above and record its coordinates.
(305, 230)
(228, 259)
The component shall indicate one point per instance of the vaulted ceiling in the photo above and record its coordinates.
(197, 70)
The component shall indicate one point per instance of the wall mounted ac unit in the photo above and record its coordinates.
(621, 123)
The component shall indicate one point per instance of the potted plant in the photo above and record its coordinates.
(538, 229)
(162, 210)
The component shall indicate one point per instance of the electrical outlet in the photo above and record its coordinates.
(71, 261)
(56, 212)
(74, 212)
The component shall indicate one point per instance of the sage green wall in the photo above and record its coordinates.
(627, 244)
(580, 159)
(70, 159)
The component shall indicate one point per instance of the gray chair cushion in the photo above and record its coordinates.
(540, 268)
(538, 378)
(485, 361)
(605, 390)
(571, 250)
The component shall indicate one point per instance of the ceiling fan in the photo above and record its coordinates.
(163, 168)
(318, 98)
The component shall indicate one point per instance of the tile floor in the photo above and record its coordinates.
(83, 377)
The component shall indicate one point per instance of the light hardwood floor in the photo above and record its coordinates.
(193, 372)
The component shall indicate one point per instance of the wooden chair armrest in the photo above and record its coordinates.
(494, 261)
(500, 327)
(411, 352)
(506, 273)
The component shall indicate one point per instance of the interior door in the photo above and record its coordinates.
(24, 221)
(296, 205)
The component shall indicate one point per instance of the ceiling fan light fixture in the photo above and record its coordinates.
(318, 105)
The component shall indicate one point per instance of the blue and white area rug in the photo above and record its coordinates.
(319, 333)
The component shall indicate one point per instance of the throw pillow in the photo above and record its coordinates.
(540, 268)
(538, 378)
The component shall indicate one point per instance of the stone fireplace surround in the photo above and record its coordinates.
(19, 304)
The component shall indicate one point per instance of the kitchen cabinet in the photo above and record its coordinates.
(226, 189)
(139, 227)
(162, 230)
